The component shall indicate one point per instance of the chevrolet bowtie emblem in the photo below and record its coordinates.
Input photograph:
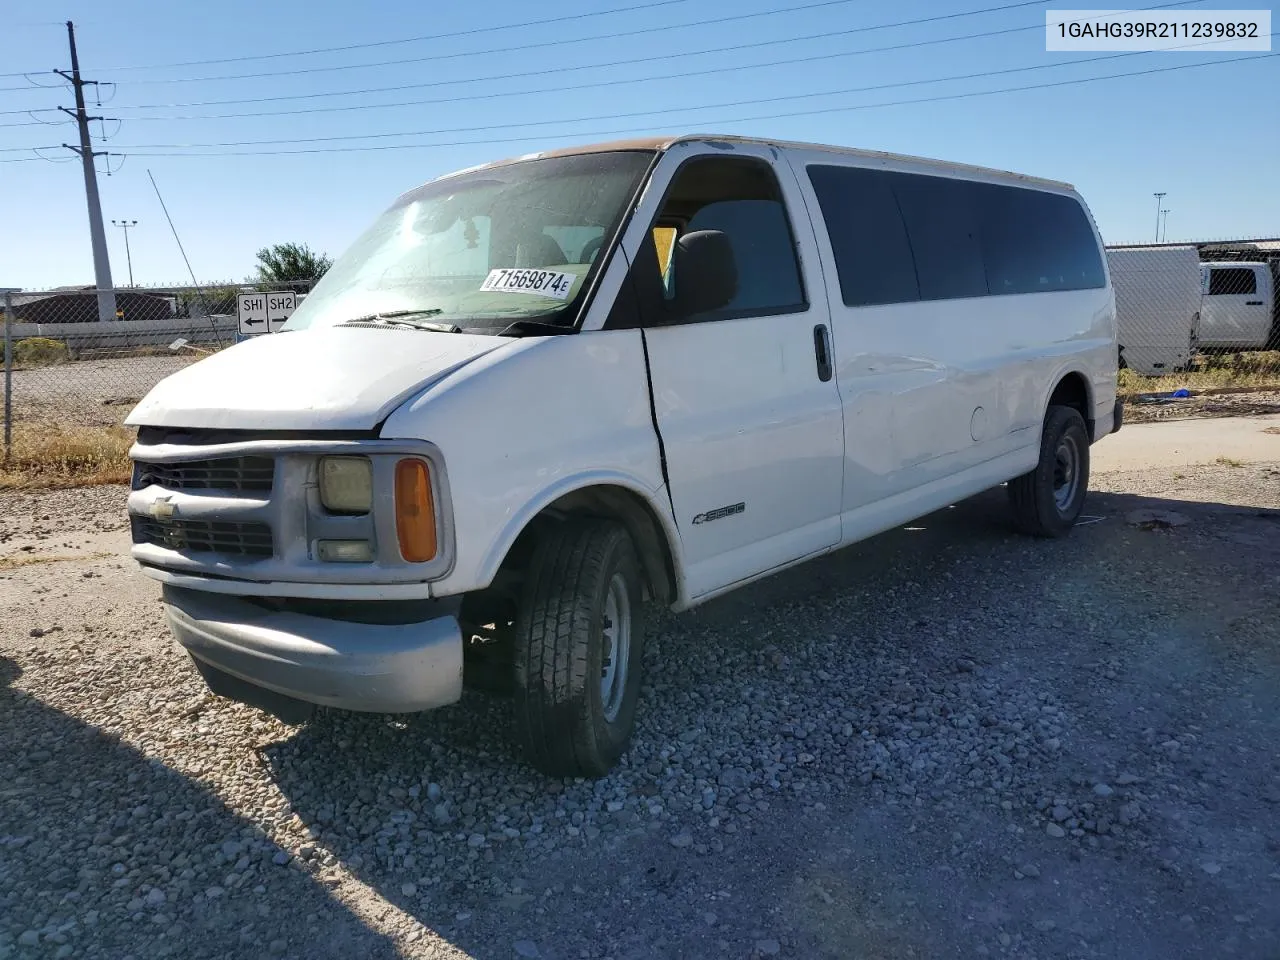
(162, 509)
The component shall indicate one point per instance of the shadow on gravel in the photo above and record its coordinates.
(78, 878)
(952, 614)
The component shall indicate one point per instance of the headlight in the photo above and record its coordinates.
(346, 484)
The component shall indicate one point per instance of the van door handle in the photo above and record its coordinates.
(822, 349)
(1253, 303)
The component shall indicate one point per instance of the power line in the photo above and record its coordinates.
(36, 123)
(385, 43)
(27, 110)
(581, 86)
(541, 21)
(592, 84)
(726, 120)
(613, 35)
(32, 85)
(644, 113)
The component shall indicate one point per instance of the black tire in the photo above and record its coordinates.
(1042, 504)
(561, 713)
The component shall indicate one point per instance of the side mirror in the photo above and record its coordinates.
(706, 274)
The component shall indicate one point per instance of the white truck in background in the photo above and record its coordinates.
(1158, 304)
(1240, 309)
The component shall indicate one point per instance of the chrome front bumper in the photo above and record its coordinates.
(375, 667)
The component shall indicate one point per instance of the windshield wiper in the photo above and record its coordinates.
(399, 318)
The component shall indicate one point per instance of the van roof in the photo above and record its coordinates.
(661, 144)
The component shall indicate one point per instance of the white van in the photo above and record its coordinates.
(1157, 306)
(538, 394)
(1239, 299)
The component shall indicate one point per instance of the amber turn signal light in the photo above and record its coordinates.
(415, 511)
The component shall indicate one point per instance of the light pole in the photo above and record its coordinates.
(1164, 225)
(125, 225)
(1159, 197)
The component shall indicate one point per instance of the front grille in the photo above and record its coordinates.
(207, 536)
(237, 474)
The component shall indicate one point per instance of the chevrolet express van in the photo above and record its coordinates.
(539, 395)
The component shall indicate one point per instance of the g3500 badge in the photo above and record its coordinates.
(719, 512)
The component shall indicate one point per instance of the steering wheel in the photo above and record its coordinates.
(591, 248)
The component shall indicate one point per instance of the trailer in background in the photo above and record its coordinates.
(1158, 294)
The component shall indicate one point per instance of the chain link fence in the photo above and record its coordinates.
(70, 377)
(1193, 318)
(66, 367)
(1199, 320)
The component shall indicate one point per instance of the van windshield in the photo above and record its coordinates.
(484, 249)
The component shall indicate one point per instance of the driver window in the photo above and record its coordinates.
(741, 198)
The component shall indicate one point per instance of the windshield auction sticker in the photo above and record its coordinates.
(542, 283)
(1171, 31)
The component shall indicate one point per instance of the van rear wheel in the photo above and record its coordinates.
(578, 645)
(1048, 500)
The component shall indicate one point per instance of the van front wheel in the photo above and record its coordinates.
(578, 646)
(1048, 500)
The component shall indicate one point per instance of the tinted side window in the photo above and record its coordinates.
(868, 237)
(1035, 242)
(944, 224)
(900, 237)
(1224, 281)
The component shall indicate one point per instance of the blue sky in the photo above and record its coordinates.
(1208, 137)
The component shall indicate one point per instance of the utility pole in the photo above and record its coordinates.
(125, 225)
(97, 232)
(1159, 198)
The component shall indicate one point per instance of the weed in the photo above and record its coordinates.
(39, 352)
(48, 455)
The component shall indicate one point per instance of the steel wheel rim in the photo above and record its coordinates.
(615, 647)
(1066, 473)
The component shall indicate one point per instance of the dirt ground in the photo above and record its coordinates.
(947, 741)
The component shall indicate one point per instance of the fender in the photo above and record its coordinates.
(1058, 376)
(654, 498)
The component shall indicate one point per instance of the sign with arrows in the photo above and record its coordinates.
(264, 312)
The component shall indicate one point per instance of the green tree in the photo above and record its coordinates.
(290, 262)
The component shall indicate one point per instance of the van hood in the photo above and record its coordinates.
(324, 379)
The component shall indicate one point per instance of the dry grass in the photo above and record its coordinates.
(46, 456)
(1259, 369)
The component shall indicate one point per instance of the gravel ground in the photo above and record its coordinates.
(948, 741)
(95, 393)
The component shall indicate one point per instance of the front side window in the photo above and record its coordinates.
(739, 197)
(484, 249)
